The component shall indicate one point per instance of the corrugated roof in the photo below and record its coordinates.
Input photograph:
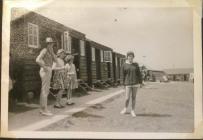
(179, 71)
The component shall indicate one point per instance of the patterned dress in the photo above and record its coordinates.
(59, 76)
(71, 76)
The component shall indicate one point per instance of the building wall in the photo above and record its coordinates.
(18, 41)
(83, 68)
(104, 72)
(118, 66)
(93, 68)
(25, 56)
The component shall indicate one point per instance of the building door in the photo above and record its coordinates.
(75, 43)
(119, 67)
(109, 69)
(114, 67)
(89, 63)
(98, 64)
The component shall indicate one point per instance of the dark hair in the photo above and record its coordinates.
(130, 53)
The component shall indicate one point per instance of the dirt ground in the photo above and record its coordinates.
(160, 107)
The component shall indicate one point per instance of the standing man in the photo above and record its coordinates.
(132, 78)
(45, 59)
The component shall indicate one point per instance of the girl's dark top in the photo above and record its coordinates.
(131, 74)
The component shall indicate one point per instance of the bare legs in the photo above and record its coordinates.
(130, 92)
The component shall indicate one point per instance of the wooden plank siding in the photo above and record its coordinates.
(93, 70)
(117, 67)
(88, 55)
(104, 72)
(83, 68)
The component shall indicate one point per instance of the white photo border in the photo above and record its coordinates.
(196, 5)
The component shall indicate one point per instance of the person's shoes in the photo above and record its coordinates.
(70, 103)
(62, 106)
(46, 113)
(133, 114)
(124, 111)
(57, 106)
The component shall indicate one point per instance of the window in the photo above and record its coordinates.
(66, 42)
(33, 35)
(93, 54)
(82, 47)
(102, 55)
(107, 56)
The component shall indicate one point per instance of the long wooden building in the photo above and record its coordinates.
(28, 33)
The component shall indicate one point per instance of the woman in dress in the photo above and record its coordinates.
(132, 79)
(59, 82)
(71, 77)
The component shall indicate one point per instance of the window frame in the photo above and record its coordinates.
(109, 54)
(102, 55)
(66, 42)
(93, 54)
(82, 48)
(32, 35)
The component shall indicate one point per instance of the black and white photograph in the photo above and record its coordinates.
(73, 69)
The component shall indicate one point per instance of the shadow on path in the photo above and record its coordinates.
(83, 114)
(153, 115)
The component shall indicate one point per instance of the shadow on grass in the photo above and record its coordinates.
(83, 114)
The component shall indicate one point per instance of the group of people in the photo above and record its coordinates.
(64, 79)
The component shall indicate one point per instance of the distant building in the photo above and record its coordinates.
(180, 74)
(156, 75)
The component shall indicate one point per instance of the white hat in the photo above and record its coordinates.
(49, 40)
(60, 51)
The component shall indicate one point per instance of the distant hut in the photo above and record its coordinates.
(156, 75)
(180, 74)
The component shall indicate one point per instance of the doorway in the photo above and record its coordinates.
(114, 67)
(98, 63)
(75, 48)
(89, 63)
(109, 69)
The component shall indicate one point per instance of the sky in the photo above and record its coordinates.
(160, 37)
